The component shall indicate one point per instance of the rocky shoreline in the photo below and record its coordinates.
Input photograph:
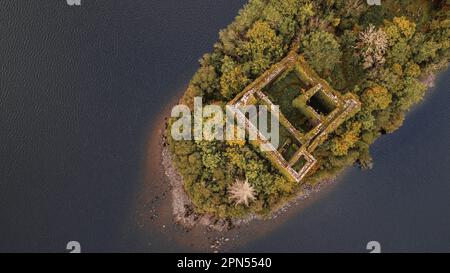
(182, 207)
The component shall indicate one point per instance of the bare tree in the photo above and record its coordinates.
(372, 44)
(241, 192)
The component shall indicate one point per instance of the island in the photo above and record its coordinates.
(342, 73)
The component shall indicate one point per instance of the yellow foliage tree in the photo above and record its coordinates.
(262, 48)
(376, 98)
(233, 79)
(342, 144)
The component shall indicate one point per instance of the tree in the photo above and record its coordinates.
(412, 70)
(372, 44)
(376, 98)
(351, 8)
(367, 120)
(399, 53)
(305, 12)
(233, 79)
(390, 121)
(427, 51)
(400, 32)
(411, 94)
(341, 144)
(211, 155)
(262, 48)
(399, 28)
(281, 15)
(241, 192)
(322, 51)
(205, 79)
(406, 27)
(231, 36)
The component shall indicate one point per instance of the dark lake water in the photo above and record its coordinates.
(80, 88)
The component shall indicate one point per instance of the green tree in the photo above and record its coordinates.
(411, 94)
(427, 51)
(205, 79)
(399, 53)
(233, 79)
(341, 144)
(322, 51)
(376, 98)
(280, 14)
(262, 48)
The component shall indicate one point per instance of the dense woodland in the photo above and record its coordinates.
(383, 54)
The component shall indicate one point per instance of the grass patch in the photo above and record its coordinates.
(282, 92)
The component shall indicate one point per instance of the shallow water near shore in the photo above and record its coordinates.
(83, 101)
